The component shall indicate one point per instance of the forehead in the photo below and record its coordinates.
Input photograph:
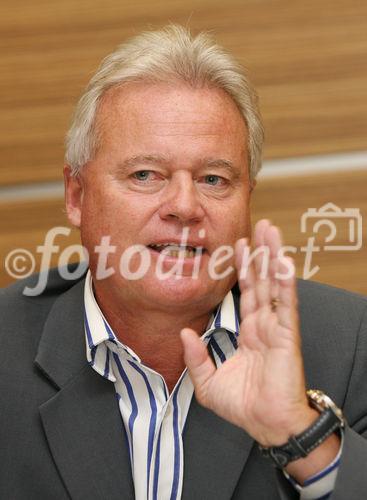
(170, 107)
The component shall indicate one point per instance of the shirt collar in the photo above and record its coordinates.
(225, 317)
(98, 331)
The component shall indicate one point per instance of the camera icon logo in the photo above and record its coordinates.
(349, 220)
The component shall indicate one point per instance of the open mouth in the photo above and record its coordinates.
(174, 250)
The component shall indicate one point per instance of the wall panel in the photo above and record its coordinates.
(307, 59)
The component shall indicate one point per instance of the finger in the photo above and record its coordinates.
(283, 283)
(263, 291)
(273, 273)
(246, 278)
(287, 311)
(249, 337)
(273, 239)
(260, 248)
(267, 323)
(263, 260)
(259, 231)
(198, 362)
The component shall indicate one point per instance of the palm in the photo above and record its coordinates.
(266, 371)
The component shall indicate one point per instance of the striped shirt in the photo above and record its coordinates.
(154, 419)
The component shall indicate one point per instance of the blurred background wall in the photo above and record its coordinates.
(308, 61)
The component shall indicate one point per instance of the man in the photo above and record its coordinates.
(97, 402)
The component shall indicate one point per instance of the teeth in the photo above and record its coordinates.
(174, 250)
(170, 246)
(182, 253)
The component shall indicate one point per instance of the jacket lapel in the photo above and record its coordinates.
(82, 422)
(215, 453)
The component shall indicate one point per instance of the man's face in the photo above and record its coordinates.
(172, 160)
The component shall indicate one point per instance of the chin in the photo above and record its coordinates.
(184, 291)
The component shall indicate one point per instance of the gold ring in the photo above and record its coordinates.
(274, 304)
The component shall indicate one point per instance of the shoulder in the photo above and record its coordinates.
(22, 312)
(333, 326)
(312, 289)
(320, 302)
(39, 289)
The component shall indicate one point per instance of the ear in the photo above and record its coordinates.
(73, 196)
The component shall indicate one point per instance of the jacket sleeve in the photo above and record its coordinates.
(351, 480)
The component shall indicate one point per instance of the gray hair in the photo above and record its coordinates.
(171, 54)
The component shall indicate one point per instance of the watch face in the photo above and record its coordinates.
(321, 402)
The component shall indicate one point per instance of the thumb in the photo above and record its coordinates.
(201, 367)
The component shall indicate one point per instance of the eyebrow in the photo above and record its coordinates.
(219, 163)
(144, 159)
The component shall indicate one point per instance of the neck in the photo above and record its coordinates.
(154, 337)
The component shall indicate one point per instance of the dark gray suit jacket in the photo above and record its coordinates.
(61, 433)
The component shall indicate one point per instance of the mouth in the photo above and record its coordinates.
(178, 251)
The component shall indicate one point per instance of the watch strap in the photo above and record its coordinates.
(301, 445)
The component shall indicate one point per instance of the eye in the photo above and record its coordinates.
(142, 175)
(213, 180)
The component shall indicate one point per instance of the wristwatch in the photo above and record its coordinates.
(299, 446)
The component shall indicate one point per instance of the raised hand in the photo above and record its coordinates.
(261, 388)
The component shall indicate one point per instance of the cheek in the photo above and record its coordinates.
(97, 220)
(241, 214)
(233, 220)
(115, 217)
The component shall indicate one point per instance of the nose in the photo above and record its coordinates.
(181, 200)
